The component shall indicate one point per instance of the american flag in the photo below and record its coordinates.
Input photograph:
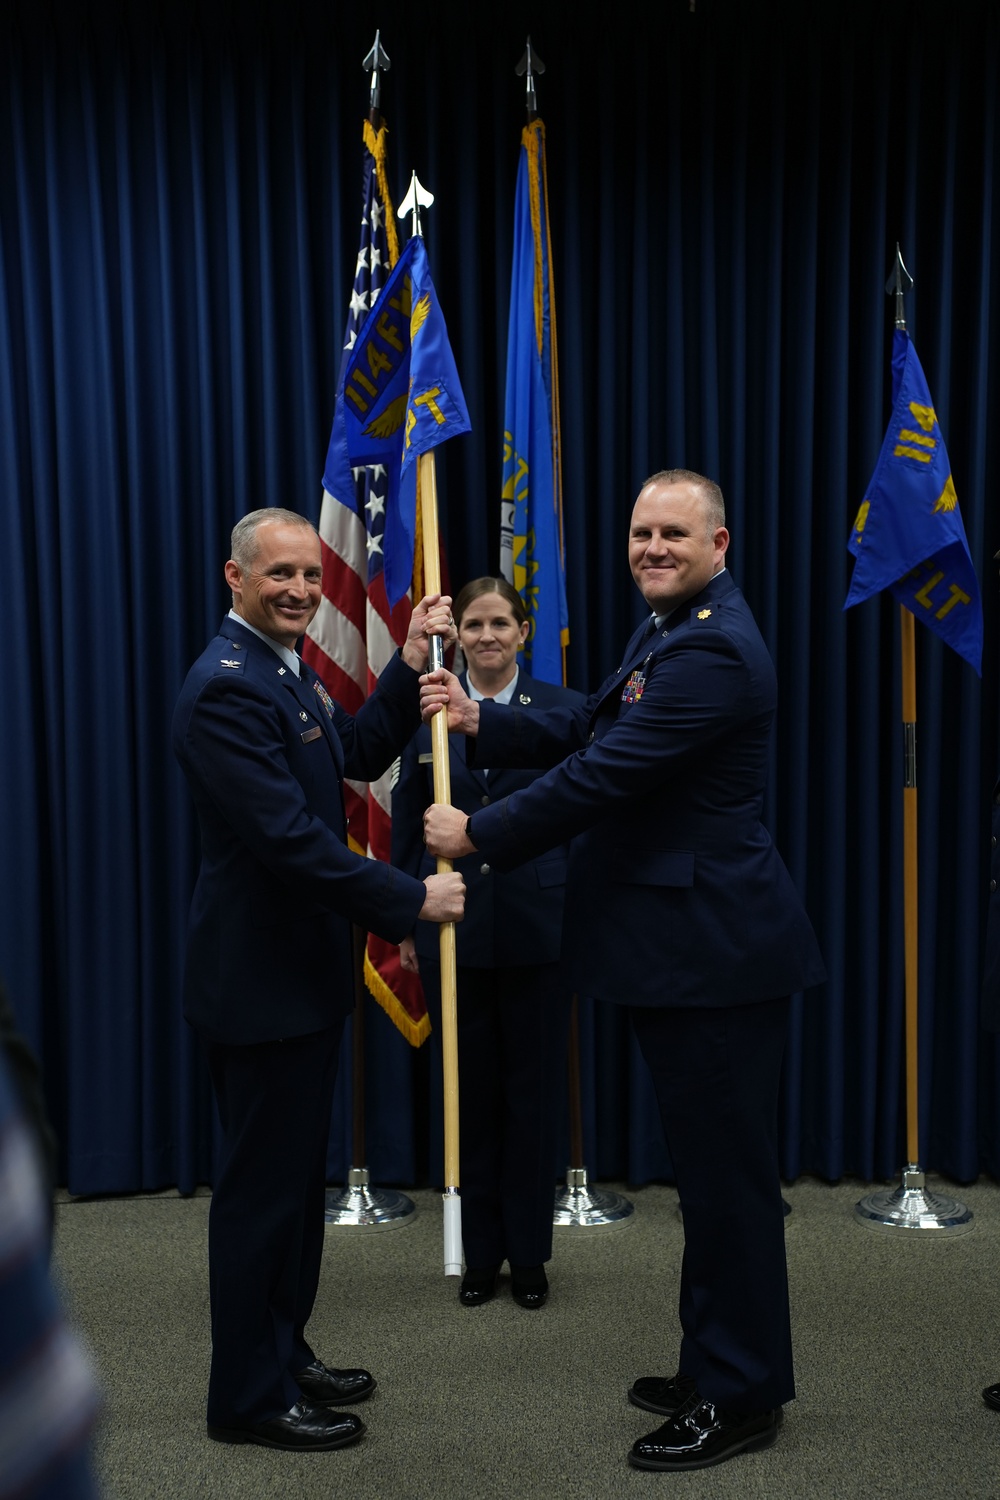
(354, 632)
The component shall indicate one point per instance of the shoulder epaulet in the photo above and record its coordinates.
(233, 658)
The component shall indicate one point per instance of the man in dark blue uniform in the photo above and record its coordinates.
(678, 906)
(268, 978)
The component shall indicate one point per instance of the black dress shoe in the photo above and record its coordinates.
(664, 1396)
(529, 1286)
(479, 1285)
(991, 1396)
(322, 1386)
(304, 1429)
(701, 1434)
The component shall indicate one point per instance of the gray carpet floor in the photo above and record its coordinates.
(894, 1337)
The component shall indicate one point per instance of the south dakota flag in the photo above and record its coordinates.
(531, 539)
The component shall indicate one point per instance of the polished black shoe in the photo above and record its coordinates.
(701, 1434)
(478, 1285)
(991, 1396)
(304, 1429)
(322, 1386)
(529, 1286)
(662, 1395)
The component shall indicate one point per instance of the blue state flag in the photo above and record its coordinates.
(402, 397)
(908, 536)
(531, 541)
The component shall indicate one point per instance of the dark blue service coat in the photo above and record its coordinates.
(675, 895)
(269, 945)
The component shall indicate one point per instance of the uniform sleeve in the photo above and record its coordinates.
(512, 737)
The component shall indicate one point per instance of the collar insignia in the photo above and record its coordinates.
(523, 698)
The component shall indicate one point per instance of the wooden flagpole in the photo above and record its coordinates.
(909, 686)
(449, 986)
(911, 1206)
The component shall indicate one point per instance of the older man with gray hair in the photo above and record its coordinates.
(268, 978)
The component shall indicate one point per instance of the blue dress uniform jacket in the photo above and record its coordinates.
(265, 756)
(510, 919)
(268, 979)
(676, 895)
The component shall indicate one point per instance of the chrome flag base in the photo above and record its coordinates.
(362, 1207)
(911, 1206)
(580, 1206)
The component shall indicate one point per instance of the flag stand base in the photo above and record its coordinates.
(362, 1207)
(911, 1206)
(580, 1206)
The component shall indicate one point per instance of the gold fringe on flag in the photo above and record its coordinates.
(415, 1032)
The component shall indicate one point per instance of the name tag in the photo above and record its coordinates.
(427, 759)
(311, 734)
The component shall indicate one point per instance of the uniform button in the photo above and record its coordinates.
(485, 801)
(993, 842)
(590, 741)
(993, 885)
(485, 870)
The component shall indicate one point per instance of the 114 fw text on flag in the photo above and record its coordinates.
(908, 536)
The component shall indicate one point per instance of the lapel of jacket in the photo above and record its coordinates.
(526, 699)
(306, 699)
(640, 646)
(644, 643)
(306, 687)
(456, 749)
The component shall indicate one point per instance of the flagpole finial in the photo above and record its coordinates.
(527, 68)
(377, 59)
(417, 197)
(899, 283)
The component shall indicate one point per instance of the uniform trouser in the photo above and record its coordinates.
(716, 1074)
(265, 1228)
(512, 1033)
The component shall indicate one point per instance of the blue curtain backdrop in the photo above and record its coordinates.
(179, 200)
